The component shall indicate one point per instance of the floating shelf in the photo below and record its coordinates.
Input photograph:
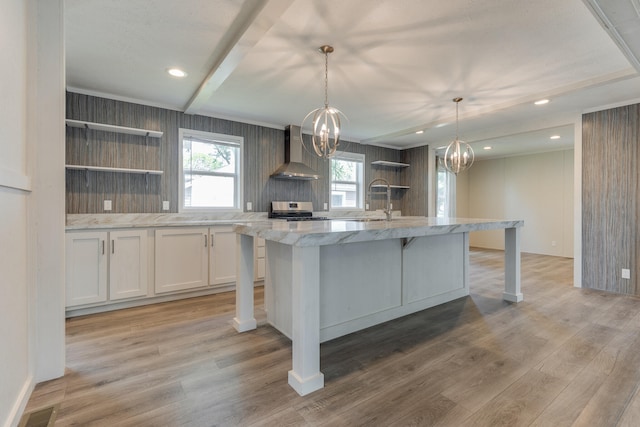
(392, 164)
(86, 169)
(403, 187)
(112, 128)
(119, 170)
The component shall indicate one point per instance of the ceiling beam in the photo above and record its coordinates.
(255, 18)
(605, 13)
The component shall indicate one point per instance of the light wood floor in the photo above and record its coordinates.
(562, 357)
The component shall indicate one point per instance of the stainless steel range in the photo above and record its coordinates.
(294, 211)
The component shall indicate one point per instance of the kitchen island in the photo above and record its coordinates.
(325, 279)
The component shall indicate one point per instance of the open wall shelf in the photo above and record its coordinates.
(119, 170)
(86, 169)
(391, 164)
(112, 128)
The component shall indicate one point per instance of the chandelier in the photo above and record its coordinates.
(459, 155)
(325, 124)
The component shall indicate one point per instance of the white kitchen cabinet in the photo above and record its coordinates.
(86, 268)
(102, 266)
(182, 259)
(259, 259)
(128, 263)
(222, 255)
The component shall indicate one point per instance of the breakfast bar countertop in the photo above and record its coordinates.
(338, 231)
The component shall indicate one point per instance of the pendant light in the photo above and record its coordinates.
(325, 136)
(459, 155)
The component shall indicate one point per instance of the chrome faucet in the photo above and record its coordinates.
(387, 211)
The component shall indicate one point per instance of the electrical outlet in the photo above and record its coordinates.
(249, 206)
(366, 206)
(107, 205)
(326, 206)
(553, 243)
(165, 205)
(626, 273)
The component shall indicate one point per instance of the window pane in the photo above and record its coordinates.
(344, 195)
(347, 181)
(209, 157)
(446, 194)
(206, 191)
(343, 170)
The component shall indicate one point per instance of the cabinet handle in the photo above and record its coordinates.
(212, 241)
(205, 240)
(103, 247)
(113, 246)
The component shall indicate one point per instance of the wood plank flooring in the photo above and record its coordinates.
(562, 357)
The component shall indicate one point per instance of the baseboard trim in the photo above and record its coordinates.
(20, 403)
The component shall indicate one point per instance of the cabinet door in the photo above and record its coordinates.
(181, 259)
(127, 264)
(222, 261)
(86, 268)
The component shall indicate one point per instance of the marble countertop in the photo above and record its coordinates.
(153, 220)
(337, 231)
(148, 220)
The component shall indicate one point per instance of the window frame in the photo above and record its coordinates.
(222, 139)
(360, 184)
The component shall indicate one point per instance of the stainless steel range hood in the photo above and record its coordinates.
(293, 168)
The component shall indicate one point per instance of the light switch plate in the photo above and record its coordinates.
(626, 273)
(165, 205)
(107, 205)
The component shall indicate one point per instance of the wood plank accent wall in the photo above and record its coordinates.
(263, 153)
(417, 199)
(610, 174)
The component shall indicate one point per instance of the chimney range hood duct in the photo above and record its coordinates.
(293, 168)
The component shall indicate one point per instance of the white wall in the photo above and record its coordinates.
(46, 158)
(15, 369)
(31, 200)
(537, 188)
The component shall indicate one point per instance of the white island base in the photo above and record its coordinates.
(318, 292)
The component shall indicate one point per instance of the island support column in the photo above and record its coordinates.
(244, 320)
(512, 265)
(305, 377)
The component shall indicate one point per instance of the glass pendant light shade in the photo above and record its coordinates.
(325, 121)
(459, 155)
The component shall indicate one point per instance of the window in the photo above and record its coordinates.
(347, 181)
(446, 195)
(210, 171)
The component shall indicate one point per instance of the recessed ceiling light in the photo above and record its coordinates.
(176, 72)
(419, 132)
(487, 147)
(441, 148)
(441, 125)
(554, 137)
(542, 102)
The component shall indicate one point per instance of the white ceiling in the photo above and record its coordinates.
(396, 67)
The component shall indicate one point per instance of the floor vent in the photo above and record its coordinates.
(41, 418)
